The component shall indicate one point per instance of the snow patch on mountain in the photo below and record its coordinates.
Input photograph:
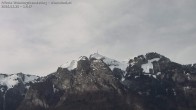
(82, 58)
(110, 62)
(70, 65)
(13, 79)
(9, 81)
(30, 78)
(146, 67)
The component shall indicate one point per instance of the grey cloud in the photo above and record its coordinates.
(40, 39)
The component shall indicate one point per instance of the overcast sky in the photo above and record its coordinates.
(40, 39)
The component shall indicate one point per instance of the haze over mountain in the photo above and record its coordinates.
(146, 82)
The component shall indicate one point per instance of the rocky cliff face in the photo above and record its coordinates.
(147, 82)
(163, 84)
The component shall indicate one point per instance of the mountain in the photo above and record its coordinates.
(146, 82)
(13, 88)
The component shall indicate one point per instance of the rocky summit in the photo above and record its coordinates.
(146, 82)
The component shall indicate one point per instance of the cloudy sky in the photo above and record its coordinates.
(38, 40)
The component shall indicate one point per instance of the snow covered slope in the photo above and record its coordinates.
(12, 80)
(70, 65)
(147, 66)
(110, 62)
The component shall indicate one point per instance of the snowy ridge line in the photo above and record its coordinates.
(12, 80)
(70, 65)
(111, 62)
